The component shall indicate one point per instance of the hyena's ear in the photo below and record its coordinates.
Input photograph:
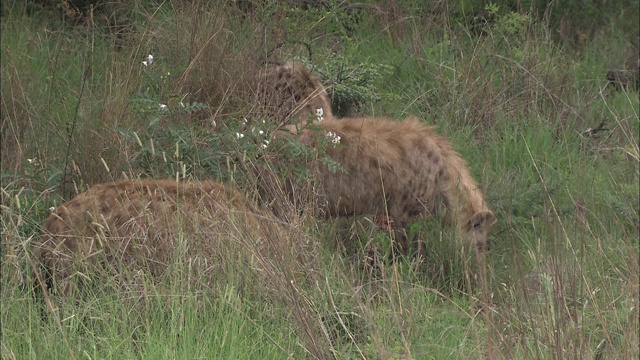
(482, 220)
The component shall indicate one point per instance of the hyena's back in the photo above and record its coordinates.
(141, 224)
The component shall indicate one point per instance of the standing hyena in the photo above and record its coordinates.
(395, 170)
(144, 225)
(291, 93)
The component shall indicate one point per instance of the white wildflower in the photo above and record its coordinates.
(213, 123)
(239, 135)
(52, 209)
(163, 106)
(260, 132)
(31, 161)
(335, 138)
(320, 114)
(149, 60)
(265, 144)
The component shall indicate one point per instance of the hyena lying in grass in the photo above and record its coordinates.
(291, 93)
(146, 225)
(396, 171)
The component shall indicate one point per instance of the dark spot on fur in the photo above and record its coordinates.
(61, 212)
(445, 177)
(72, 205)
(50, 224)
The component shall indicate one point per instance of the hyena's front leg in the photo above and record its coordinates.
(384, 223)
(396, 228)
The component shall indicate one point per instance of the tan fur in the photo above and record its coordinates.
(141, 224)
(400, 169)
(291, 93)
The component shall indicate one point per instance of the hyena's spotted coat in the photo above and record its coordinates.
(396, 169)
(141, 224)
(291, 93)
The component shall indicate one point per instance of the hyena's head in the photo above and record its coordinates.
(476, 230)
(292, 93)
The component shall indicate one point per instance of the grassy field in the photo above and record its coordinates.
(523, 96)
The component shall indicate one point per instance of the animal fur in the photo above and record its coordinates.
(132, 225)
(291, 93)
(399, 169)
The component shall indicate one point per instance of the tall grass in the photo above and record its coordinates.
(80, 108)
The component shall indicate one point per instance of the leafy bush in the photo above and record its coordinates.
(353, 85)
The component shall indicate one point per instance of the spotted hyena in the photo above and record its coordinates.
(395, 170)
(143, 225)
(291, 93)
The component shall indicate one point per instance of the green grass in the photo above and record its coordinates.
(219, 324)
(516, 103)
